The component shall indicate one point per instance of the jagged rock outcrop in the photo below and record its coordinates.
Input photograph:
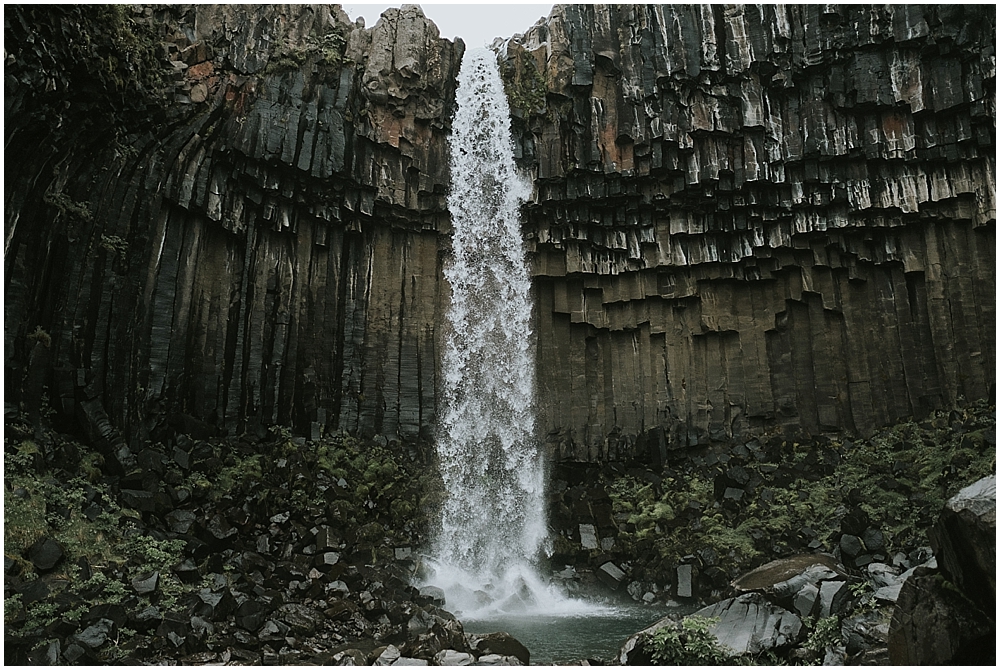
(745, 218)
(948, 616)
(269, 252)
(749, 217)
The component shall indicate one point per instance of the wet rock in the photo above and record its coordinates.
(501, 644)
(433, 594)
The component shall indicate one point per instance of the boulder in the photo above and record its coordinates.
(146, 584)
(434, 594)
(935, 624)
(452, 657)
(386, 655)
(497, 659)
(777, 575)
(948, 616)
(610, 574)
(588, 536)
(964, 542)
(95, 635)
(301, 619)
(833, 596)
(502, 644)
(45, 554)
(809, 584)
(685, 581)
(749, 623)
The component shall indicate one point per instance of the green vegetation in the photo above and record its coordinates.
(799, 493)
(822, 634)
(525, 86)
(68, 208)
(55, 503)
(83, 65)
(324, 50)
(114, 245)
(690, 642)
(364, 490)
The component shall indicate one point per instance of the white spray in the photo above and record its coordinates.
(493, 526)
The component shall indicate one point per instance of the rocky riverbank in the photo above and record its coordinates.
(268, 550)
(276, 549)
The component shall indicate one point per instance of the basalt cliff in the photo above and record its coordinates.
(745, 219)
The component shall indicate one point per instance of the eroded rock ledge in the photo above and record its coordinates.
(756, 217)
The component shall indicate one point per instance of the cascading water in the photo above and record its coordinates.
(493, 519)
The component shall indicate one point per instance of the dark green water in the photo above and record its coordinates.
(563, 638)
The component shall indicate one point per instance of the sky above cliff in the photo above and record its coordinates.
(477, 24)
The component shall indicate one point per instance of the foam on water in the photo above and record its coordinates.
(492, 527)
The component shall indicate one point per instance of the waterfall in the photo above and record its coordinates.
(492, 526)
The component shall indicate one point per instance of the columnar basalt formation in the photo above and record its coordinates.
(745, 219)
(756, 217)
(268, 253)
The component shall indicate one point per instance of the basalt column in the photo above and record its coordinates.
(754, 218)
(263, 249)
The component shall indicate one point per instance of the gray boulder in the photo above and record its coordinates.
(452, 657)
(751, 624)
(964, 542)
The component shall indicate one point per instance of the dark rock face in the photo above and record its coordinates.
(271, 254)
(756, 216)
(745, 218)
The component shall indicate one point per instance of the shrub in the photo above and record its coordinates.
(691, 642)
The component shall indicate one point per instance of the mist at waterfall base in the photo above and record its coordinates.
(493, 530)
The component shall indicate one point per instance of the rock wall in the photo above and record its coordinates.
(751, 218)
(745, 219)
(268, 253)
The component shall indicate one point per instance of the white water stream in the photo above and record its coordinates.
(493, 527)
